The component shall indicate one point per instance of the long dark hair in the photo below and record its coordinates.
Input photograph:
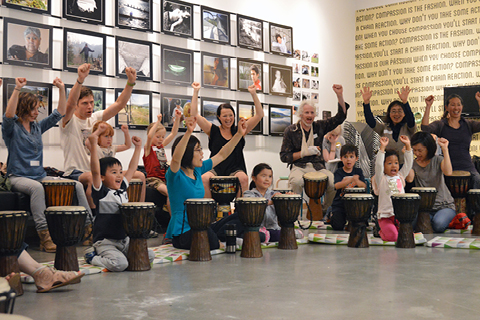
(256, 170)
(425, 139)
(224, 106)
(450, 97)
(188, 154)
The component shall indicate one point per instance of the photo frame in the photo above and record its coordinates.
(209, 109)
(297, 54)
(215, 71)
(177, 66)
(91, 12)
(215, 25)
(177, 18)
(305, 83)
(15, 52)
(281, 40)
(297, 82)
(249, 33)
(84, 47)
(249, 72)
(42, 90)
(99, 95)
(280, 117)
(246, 110)
(136, 54)
(169, 103)
(137, 114)
(134, 14)
(280, 84)
(314, 71)
(297, 95)
(314, 58)
(39, 6)
(305, 95)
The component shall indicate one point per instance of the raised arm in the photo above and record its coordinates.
(403, 95)
(428, 105)
(338, 89)
(446, 164)
(62, 100)
(177, 156)
(133, 165)
(13, 101)
(408, 157)
(203, 123)
(128, 142)
(176, 124)
(122, 100)
(228, 148)
(151, 134)
(94, 161)
(72, 101)
(253, 121)
(367, 111)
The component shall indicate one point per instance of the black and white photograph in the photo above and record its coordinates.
(305, 83)
(171, 102)
(249, 33)
(98, 97)
(314, 71)
(314, 97)
(37, 6)
(84, 47)
(297, 54)
(177, 66)
(305, 56)
(279, 119)
(297, 95)
(249, 72)
(246, 110)
(315, 84)
(215, 25)
(134, 14)
(215, 71)
(136, 54)
(281, 40)
(296, 82)
(27, 44)
(137, 114)
(209, 109)
(305, 95)
(177, 18)
(88, 11)
(42, 90)
(280, 77)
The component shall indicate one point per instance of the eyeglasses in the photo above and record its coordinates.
(396, 111)
(198, 149)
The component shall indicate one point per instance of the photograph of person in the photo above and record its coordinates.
(134, 14)
(170, 103)
(314, 71)
(84, 47)
(296, 82)
(297, 54)
(27, 44)
(306, 83)
(38, 6)
(296, 68)
(137, 113)
(315, 84)
(315, 57)
(216, 71)
(280, 118)
(135, 54)
(297, 95)
(305, 56)
(215, 25)
(249, 72)
(280, 83)
(177, 66)
(305, 69)
(250, 33)
(281, 40)
(305, 95)
(177, 18)
(90, 11)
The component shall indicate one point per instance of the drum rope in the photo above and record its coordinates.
(311, 218)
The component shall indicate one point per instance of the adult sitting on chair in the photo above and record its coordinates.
(302, 142)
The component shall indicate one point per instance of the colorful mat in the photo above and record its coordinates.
(343, 239)
(457, 243)
(275, 244)
(460, 231)
(320, 225)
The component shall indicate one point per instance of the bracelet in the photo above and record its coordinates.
(131, 84)
(16, 89)
(79, 82)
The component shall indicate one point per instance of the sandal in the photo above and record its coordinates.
(47, 279)
(14, 280)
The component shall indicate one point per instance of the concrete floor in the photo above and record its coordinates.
(314, 282)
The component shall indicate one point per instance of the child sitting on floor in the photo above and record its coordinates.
(110, 244)
(388, 180)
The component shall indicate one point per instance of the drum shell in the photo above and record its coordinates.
(66, 225)
(134, 190)
(427, 197)
(473, 197)
(358, 209)
(58, 193)
(406, 208)
(12, 232)
(251, 213)
(458, 184)
(138, 218)
(224, 189)
(287, 209)
(200, 213)
(315, 188)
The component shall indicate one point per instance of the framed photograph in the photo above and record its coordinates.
(314, 57)
(88, 11)
(280, 76)
(209, 109)
(98, 97)
(297, 95)
(27, 44)
(297, 82)
(177, 18)
(314, 71)
(84, 47)
(296, 67)
(280, 118)
(215, 25)
(305, 95)
(305, 56)
(249, 33)
(314, 97)
(42, 90)
(170, 102)
(305, 83)
(137, 114)
(315, 84)
(305, 70)
(249, 72)
(297, 54)
(38, 6)
(136, 54)
(281, 40)
(246, 110)
(177, 66)
(134, 14)
(215, 71)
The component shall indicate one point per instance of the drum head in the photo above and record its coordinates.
(354, 190)
(358, 196)
(287, 196)
(406, 196)
(423, 189)
(65, 210)
(59, 182)
(460, 173)
(224, 179)
(315, 175)
(251, 200)
(200, 201)
(135, 181)
(474, 191)
(13, 213)
(138, 204)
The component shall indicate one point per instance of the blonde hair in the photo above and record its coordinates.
(337, 131)
(160, 127)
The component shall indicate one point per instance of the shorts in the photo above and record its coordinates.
(154, 182)
(75, 175)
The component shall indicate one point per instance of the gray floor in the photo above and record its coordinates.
(314, 282)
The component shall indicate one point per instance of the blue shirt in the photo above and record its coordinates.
(25, 149)
(180, 188)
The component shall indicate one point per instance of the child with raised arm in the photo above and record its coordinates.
(388, 180)
(110, 183)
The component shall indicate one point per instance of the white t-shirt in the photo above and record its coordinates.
(74, 134)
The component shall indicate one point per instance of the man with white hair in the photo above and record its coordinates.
(302, 142)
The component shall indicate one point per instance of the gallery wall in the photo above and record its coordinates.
(323, 27)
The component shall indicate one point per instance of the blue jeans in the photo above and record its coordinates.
(441, 219)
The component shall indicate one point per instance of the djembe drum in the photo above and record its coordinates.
(251, 212)
(66, 225)
(358, 208)
(287, 207)
(354, 190)
(315, 185)
(200, 213)
(58, 192)
(7, 297)
(427, 200)
(12, 235)
(459, 183)
(473, 197)
(405, 207)
(138, 220)
(134, 190)
(224, 189)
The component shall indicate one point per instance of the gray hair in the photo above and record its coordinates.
(33, 30)
(307, 102)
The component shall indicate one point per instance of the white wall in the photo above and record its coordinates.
(321, 26)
